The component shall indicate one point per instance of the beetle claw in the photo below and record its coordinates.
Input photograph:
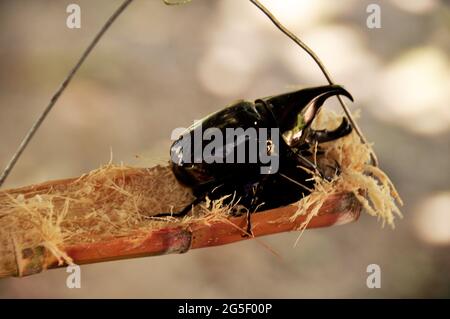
(306, 101)
(322, 136)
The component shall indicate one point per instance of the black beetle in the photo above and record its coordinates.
(289, 115)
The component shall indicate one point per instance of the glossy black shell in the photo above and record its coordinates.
(244, 181)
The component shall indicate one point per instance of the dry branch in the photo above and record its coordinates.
(147, 238)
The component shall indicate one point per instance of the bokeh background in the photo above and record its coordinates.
(161, 67)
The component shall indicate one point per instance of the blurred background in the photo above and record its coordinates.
(161, 67)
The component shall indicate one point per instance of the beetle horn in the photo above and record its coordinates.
(286, 107)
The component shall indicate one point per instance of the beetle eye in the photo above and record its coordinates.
(269, 147)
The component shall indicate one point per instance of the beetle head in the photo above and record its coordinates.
(295, 111)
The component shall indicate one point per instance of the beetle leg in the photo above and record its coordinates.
(184, 211)
(249, 232)
(308, 164)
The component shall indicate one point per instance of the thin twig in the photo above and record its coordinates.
(176, 2)
(60, 90)
(322, 67)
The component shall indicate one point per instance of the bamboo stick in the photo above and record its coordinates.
(172, 237)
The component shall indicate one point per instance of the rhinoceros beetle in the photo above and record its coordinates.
(289, 115)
